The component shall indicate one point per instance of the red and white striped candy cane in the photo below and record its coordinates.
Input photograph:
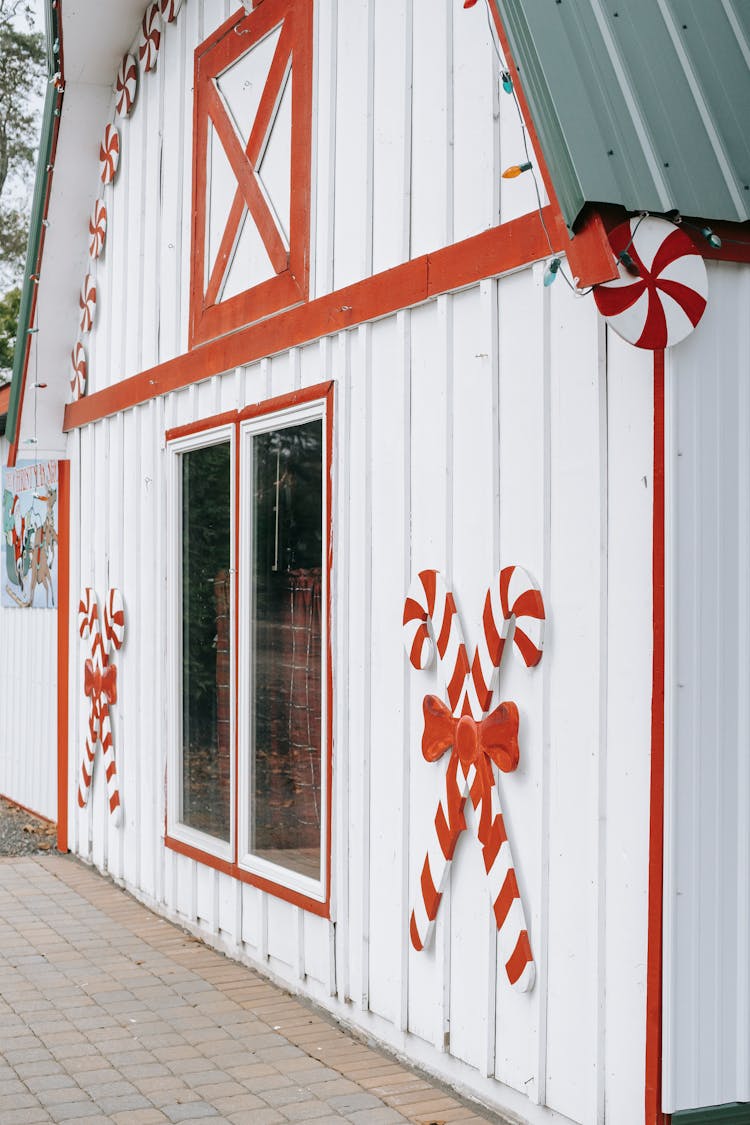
(169, 9)
(109, 154)
(101, 688)
(430, 598)
(114, 620)
(150, 39)
(513, 597)
(78, 366)
(97, 229)
(87, 303)
(88, 628)
(126, 85)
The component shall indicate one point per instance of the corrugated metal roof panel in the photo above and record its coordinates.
(642, 103)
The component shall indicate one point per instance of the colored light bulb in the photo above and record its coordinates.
(507, 81)
(628, 263)
(550, 274)
(711, 238)
(516, 170)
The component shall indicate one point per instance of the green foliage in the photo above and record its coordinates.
(22, 59)
(10, 305)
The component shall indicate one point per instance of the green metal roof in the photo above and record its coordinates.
(641, 103)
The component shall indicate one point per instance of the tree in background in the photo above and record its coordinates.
(21, 75)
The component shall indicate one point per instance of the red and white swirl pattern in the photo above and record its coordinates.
(663, 305)
(97, 229)
(126, 86)
(169, 9)
(109, 154)
(150, 40)
(114, 620)
(79, 371)
(87, 303)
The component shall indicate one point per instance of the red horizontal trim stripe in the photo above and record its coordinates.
(492, 252)
(228, 868)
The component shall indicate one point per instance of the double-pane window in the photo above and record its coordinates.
(249, 764)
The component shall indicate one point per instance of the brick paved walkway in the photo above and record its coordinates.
(110, 1013)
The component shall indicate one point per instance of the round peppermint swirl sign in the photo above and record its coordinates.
(660, 304)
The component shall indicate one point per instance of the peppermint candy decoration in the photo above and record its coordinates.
(150, 41)
(79, 371)
(87, 303)
(664, 303)
(97, 229)
(109, 154)
(126, 85)
(169, 9)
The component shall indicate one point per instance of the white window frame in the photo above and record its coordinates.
(315, 889)
(193, 837)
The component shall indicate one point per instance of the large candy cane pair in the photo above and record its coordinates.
(476, 740)
(100, 685)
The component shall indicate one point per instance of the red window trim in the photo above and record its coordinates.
(290, 286)
(324, 394)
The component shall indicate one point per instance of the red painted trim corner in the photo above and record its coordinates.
(654, 1014)
(63, 649)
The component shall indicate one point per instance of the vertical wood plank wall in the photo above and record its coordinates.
(491, 426)
(707, 895)
(471, 431)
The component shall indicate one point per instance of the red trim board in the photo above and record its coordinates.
(323, 393)
(653, 1111)
(495, 251)
(63, 650)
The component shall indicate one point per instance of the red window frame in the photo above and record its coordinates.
(290, 286)
(321, 393)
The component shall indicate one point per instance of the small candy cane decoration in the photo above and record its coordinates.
(87, 303)
(109, 154)
(476, 740)
(97, 229)
(100, 686)
(169, 9)
(79, 371)
(150, 40)
(126, 85)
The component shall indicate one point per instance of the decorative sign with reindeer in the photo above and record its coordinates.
(478, 739)
(30, 535)
(100, 686)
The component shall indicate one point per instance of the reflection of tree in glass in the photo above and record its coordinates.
(288, 550)
(288, 498)
(205, 569)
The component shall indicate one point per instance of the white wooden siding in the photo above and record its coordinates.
(707, 901)
(410, 134)
(470, 432)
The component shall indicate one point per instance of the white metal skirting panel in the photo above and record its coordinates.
(473, 431)
(28, 703)
(707, 893)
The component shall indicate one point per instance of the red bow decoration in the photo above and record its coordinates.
(475, 743)
(100, 681)
(495, 736)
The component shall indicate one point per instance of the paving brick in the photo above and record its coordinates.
(306, 1111)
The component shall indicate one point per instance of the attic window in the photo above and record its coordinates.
(251, 168)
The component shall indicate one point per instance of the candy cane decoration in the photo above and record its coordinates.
(476, 740)
(126, 85)
(87, 303)
(150, 40)
(97, 229)
(100, 686)
(79, 371)
(169, 9)
(109, 154)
